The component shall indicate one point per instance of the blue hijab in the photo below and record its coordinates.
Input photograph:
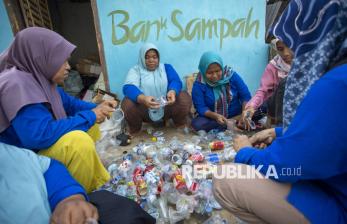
(221, 88)
(316, 31)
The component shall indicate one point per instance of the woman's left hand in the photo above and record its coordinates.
(171, 97)
(241, 141)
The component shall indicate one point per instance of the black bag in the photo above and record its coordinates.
(113, 208)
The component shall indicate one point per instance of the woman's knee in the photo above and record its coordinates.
(199, 123)
(185, 101)
(79, 141)
(219, 182)
(127, 104)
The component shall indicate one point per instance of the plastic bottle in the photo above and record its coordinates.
(216, 145)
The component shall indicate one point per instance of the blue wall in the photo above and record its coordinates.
(6, 35)
(180, 29)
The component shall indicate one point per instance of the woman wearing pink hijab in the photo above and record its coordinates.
(272, 80)
(35, 114)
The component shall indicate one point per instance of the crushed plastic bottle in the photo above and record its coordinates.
(163, 209)
(162, 101)
(216, 219)
(229, 154)
(176, 216)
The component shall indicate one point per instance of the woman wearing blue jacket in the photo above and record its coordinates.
(218, 93)
(306, 160)
(148, 82)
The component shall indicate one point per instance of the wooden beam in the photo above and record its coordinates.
(15, 16)
(100, 44)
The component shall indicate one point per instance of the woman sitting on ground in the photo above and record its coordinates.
(36, 115)
(145, 84)
(272, 83)
(218, 93)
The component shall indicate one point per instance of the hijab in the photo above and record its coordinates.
(30, 63)
(282, 67)
(316, 32)
(221, 88)
(151, 83)
(23, 195)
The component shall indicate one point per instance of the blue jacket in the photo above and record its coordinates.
(315, 144)
(203, 97)
(35, 128)
(174, 83)
(60, 184)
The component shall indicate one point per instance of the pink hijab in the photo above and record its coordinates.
(282, 67)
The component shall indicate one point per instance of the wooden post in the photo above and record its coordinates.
(100, 43)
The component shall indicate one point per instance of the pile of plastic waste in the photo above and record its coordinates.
(172, 179)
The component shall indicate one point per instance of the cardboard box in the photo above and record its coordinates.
(88, 67)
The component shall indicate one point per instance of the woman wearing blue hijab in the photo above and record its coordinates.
(218, 93)
(148, 82)
(306, 159)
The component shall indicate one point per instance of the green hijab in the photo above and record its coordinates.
(209, 58)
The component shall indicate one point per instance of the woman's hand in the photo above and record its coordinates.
(241, 141)
(263, 138)
(171, 97)
(74, 209)
(247, 115)
(111, 103)
(221, 119)
(104, 110)
(148, 101)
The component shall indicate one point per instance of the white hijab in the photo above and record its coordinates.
(151, 83)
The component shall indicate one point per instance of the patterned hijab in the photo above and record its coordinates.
(316, 31)
(282, 67)
(30, 63)
(221, 88)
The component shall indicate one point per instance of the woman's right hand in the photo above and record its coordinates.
(247, 115)
(103, 111)
(263, 138)
(148, 101)
(74, 209)
(221, 119)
